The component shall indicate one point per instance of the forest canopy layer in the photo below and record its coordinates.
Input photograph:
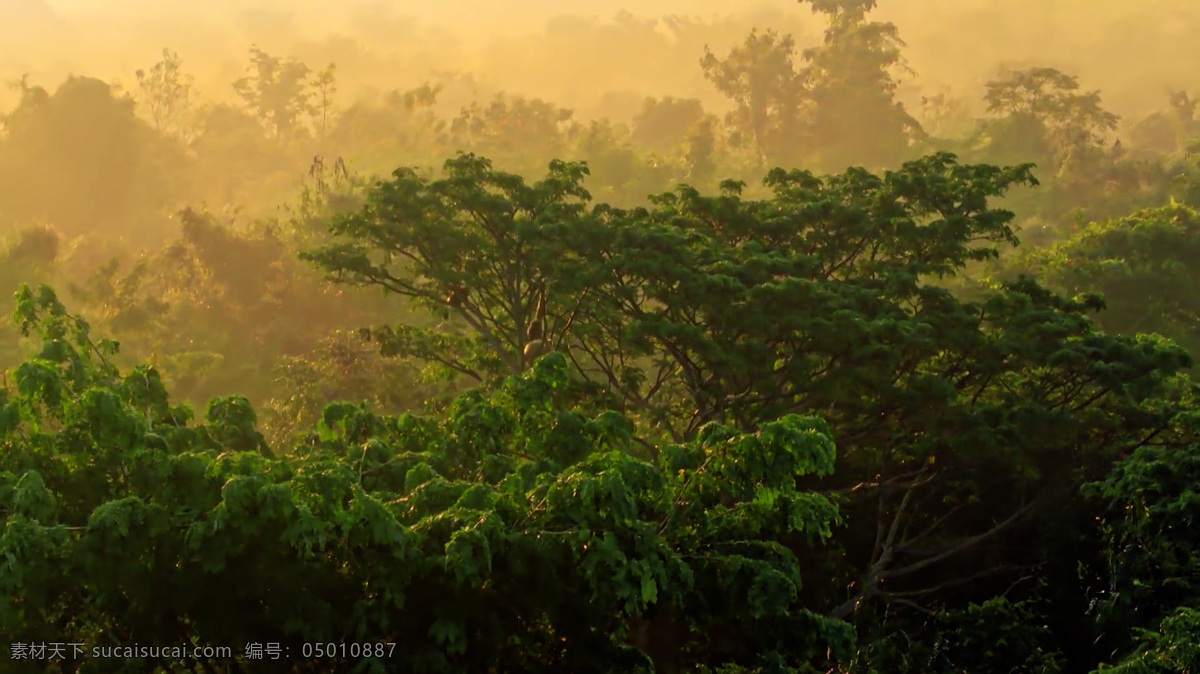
(787, 361)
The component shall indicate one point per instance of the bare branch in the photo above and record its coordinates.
(960, 547)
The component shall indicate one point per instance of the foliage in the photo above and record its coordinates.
(401, 122)
(345, 366)
(1168, 130)
(1049, 98)
(513, 533)
(1143, 264)
(838, 109)
(477, 245)
(235, 295)
(1014, 478)
(27, 255)
(324, 85)
(1153, 567)
(663, 123)
(993, 636)
(1175, 648)
(701, 155)
(511, 126)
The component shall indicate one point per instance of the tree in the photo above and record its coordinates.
(1046, 116)
(1049, 97)
(345, 366)
(967, 426)
(476, 245)
(663, 124)
(1167, 130)
(324, 86)
(995, 635)
(701, 154)
(751, 320)
(945, 115)
(1174, 647)
(515, 127)
(26, 255)
(81, 159)
(216, 308)
(618, 172)
(838, 110)
(277, 91)
(1150, 574)
(762, 81)
(403, 120)
(168, 94)
(851, 82)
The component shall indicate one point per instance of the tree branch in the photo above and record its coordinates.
(960, 547)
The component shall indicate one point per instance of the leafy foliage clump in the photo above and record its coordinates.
(1144, 264)
(512, 533)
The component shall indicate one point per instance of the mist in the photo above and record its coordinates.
(1133, 52)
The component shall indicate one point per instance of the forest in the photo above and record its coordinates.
(825, 370)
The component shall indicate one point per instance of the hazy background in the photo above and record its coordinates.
(1133, 51)
(180, 234)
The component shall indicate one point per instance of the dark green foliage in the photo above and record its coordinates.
(1151, 502)
(645, 478)
(1174, 648)
(477, 245)
(995, 636)
(512, 533)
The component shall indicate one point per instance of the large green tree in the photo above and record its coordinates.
(479, 246)
(966, 426)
